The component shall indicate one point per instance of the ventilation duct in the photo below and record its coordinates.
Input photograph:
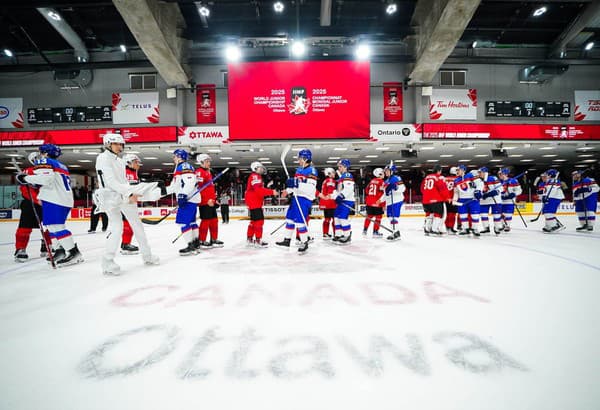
(537, 74)
(69, 79)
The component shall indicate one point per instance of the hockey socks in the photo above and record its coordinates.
(127, 232)
(22, 237)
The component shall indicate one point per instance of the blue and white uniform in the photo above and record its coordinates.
(510, 190)
(184, 185)
(467, 192)
(394, 197)
(57, 198)
(344, 197)
(491, 200)
(552, 194)
(585, 195)
(304, 189)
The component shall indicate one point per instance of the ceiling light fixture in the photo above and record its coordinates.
(233, 53)
(298, 48)
(474, 44)
(204, 11)
(589, 46)
(8, 53)
(278, 7)
(539, 11)
(363, 52)
(123, 48)
(54, 15)
(391, 8)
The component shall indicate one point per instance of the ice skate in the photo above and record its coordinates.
(21, 255)
(285, 242)
(395, 236)
(303, 247)
(151, 259)
(190, 249)
(215, 243)
(129, 249)
(110, 268)
(72, 257)
(377, 235)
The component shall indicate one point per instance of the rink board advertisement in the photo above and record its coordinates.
(392, 102)
(299, 100)
(135, 108)
(206, 104)
(11, 113)
(216, 135)
(86, 136)
(511, 131)
(447, 104)
(395, 132)
(587, 105)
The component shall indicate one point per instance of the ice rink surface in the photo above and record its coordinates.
(508, 322)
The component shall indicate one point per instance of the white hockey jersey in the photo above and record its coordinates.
(345, 187)
(185, 182)
(465, 186)
(55, 181)
(491, 183)
(511, 186)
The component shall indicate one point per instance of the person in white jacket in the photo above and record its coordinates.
(115, 196)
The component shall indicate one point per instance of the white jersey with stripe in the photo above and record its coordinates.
(491, 183)
(55, 181)
(345, 186)
(552, 189)
(511, 186)
(185, 182)
(465, 186)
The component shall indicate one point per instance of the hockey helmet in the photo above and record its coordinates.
(52, 150)
(453, 170)
(202, 157)
(32, 157)
(462, 167)
(391, 167)
(552, 173)
(181, 153)
(437, 168)
(112, 138)
(345, 163)
(256, 166)
(129, 158)
(305, 154)
(483, 170)
(329, 172)
(378, 172)
(505, 171)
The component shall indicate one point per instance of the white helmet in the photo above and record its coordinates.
(33, 157)
(129, 158)
(202, 157)
(329, 172)
(453, 170)
(112, 139)
(378, 172)
(256, 165)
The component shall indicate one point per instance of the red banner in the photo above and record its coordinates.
(86, 136)
(512, 131)
(392, 102)
(299, 100)
(206, 104)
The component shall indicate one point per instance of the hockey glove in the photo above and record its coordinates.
(544, 199)
(182, 200)
(291, 183)
(339, 199)
(508, 196)
(477, 194)
(21, 179)
(493, 192)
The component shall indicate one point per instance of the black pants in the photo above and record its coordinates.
(225, 213)
(94, 218)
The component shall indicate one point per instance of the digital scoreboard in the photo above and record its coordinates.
(58, 115)
(527, 109)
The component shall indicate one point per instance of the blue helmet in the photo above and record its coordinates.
(552, 173)
(181, 153)
(345, 163)
(52, 150)
(505, 171)
(305, 154)
(462, 167)
(483, 169)
(391, 167)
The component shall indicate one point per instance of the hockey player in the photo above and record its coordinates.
(30, 206)
(552, 194)
(208, 205)
(510, 190)
(133, 164)
(585, 195)
(394, 198)
(467, 193)
(117, 197)
(344, 198)
(185, 186)
(490, 199)
(57, 201)
(435, 193)
(303, 186)
(375, 203)
(255, 194)
(326, 203)
(450, 207)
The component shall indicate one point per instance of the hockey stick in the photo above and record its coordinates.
(548, 197)
(156, 222)
(37, 217)
(279, 227)
(366, 217)
(286, 149)
(519, 212)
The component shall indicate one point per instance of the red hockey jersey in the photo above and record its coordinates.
(256, 191)
(374, 191)
(30, 192)
(327, 188)
(434, 189)
(204, 177)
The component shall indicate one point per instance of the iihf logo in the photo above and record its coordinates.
(300, 103)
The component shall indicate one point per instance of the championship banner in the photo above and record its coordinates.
(86, 136)
(446, 104)
(392, 102)
(135, 108)
(396, 132)
(215, 135)
(587, 105)
(11, 113)
(206, 104)
(511, 131)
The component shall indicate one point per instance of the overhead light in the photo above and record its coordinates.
(509, 148)
(340, 149)
(278, 7)
(298, 48)
(166, 163)
(589, 46)
(464, 160)
(548, 147)
(400, 160)
(580, 166)
(432, 160)
(391, 8)
(516, 155)
(415, 166)
(204, 11)
(123, 48)
(84, 160)
(382, 148)
(481, 155)
(334, 158)
(233, 53)
(549, 155)
(539, 11)
(156, 169)
(225, 158)
(446, 156)
(264, 159)
(428, 147)
(150, 158)
(365, 160)
(585, 155)
(589, 160)
(13, 155)
(54, 15)
(467, 147)
(214, 150)
(371, 156)
(233, 163)
(8, 53)
(74, 166)
(495, 160)
(474, 44)
(363, 52)
(331, 162)
(526, 160)
(296, 149)
(267, 162)
(559, 160)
